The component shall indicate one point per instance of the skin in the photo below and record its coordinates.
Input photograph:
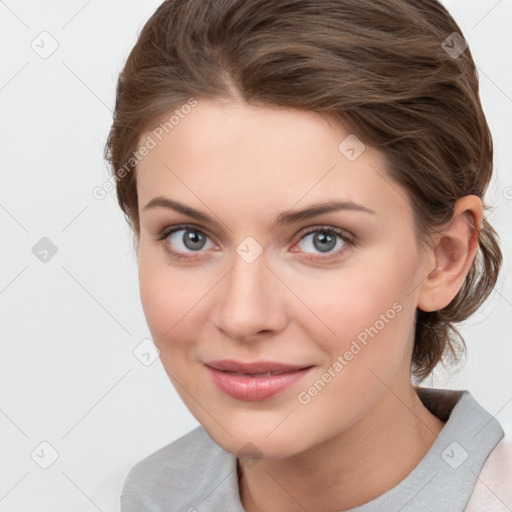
(244, 165)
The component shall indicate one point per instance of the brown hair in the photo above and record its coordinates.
(377, 67)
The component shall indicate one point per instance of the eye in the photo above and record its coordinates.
(325, 240)
(185, 239)
(181, 242)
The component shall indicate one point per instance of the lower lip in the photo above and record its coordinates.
(254, 389)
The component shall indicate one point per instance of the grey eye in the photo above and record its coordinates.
(188, 240)
(323, 240)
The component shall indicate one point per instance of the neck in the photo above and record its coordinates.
(356, 466)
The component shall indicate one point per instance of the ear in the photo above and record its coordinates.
(454, 252)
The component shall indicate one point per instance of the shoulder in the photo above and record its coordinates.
(493, 489)
(172, 475)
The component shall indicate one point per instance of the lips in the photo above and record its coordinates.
(254, 368)
(254, 381)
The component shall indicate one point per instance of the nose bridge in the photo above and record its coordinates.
(247, 300)
(247, 282)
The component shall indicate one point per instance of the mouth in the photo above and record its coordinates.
(254, 381)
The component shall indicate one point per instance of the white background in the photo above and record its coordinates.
(68, 375)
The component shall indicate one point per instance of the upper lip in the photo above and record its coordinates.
(255, 367)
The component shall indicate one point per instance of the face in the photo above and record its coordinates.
(325, 301)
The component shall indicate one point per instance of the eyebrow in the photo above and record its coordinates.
(286, 217)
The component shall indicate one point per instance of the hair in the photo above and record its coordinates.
(377, 67)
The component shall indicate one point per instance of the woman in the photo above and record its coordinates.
(305, 184)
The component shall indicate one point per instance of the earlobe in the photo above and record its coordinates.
(454, 253)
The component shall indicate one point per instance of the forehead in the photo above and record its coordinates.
(262, 159)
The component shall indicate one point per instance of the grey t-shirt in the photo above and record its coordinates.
(194, 474)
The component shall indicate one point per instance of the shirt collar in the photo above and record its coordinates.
(196, 474)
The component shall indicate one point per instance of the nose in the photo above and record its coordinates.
(250, 300)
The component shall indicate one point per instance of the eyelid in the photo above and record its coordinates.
(165, 232)
(343, 233)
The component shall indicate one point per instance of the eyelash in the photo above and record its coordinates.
(349, 241)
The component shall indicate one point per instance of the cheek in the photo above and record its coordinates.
(371, 320)
(170, 298)
(342, 306)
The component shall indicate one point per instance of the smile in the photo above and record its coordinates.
(254, 381)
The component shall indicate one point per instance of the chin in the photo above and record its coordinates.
(254, 441)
